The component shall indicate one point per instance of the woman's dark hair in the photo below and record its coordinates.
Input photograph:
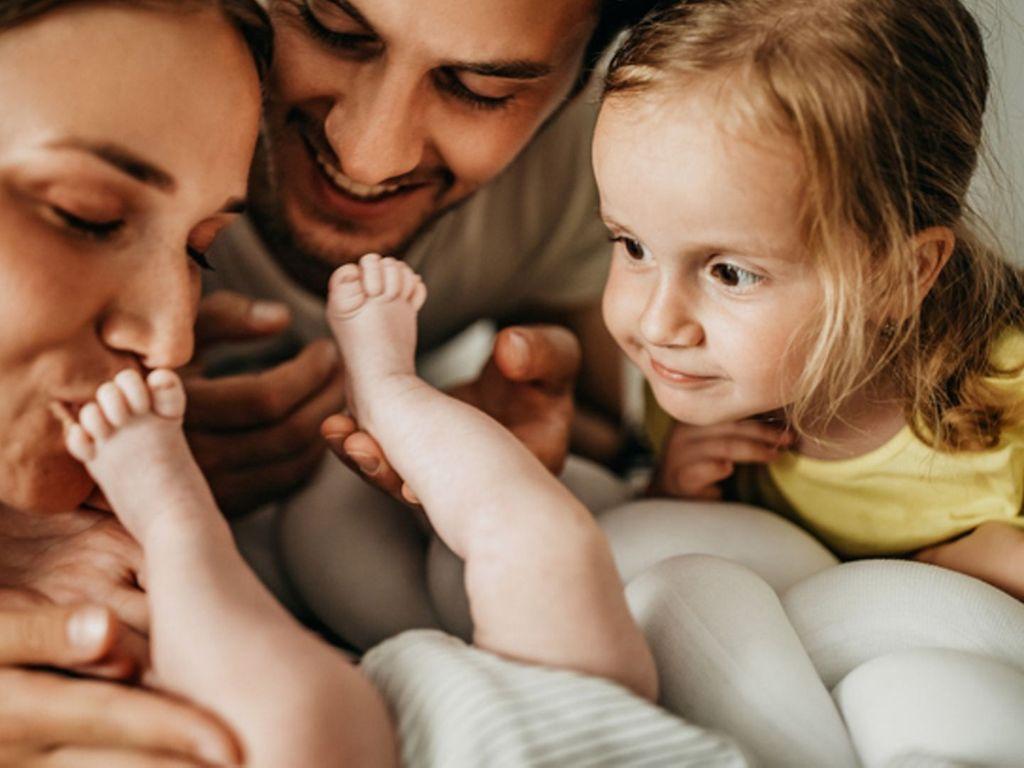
(246, 16)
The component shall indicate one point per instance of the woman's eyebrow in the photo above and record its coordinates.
(125, 161)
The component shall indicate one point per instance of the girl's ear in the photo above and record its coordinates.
(932, 249)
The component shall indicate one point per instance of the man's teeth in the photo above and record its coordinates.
(354, 188)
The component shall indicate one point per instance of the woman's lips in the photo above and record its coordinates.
(680, 377)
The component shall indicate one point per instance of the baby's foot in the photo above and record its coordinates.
(372, 311)
(131, 441)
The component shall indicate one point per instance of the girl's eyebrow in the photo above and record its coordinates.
(124, 160)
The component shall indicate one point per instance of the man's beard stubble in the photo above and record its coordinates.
(306, 261)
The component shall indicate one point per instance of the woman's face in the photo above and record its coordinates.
(125, 142)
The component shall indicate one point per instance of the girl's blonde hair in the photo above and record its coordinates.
(885, 100)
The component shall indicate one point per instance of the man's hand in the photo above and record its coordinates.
(697, 459)
(256, 436)
(992, 552)
(527, 386)
(47, 720)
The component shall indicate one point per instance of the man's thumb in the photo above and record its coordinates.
(56, 636)
(229, 316)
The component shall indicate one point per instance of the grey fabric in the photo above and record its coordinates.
(456, 706)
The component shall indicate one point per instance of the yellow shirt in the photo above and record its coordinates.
(901, 496)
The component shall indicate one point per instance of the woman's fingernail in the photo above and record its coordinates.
(214, 753)
(88, 627)
(268, 312)
(369, 465)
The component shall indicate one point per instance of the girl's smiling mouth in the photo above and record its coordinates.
(680, 377)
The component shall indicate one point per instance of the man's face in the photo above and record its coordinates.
(383, 114)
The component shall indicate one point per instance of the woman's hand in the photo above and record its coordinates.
(697, 459)
(992, 552)
(48, 720)
(72, 558)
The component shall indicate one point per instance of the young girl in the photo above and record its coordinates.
(797, 275)
(803, 286)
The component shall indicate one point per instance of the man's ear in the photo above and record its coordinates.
(932, 249)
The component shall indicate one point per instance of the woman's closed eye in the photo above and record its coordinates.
(734, 277)
(88, 226)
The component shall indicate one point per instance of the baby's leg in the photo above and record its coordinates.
(218, 637)
(541, 582)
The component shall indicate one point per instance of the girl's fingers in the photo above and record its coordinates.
(739, 450)
(757, 431)
(699, 479)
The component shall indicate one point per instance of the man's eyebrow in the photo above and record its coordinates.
(124, 160)
(357, 16)
(512, 69)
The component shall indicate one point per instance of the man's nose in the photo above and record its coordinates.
(152, 317)
(377, 129)
(667, 321)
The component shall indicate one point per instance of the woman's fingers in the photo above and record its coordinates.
(44, 709)
(75, 757)
(58, 636)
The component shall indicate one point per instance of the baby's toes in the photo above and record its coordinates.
(113, 404)
(346, 291)
(167, 392)
(133, 388)
(392, 273)
(94, 422)
(419, 294)
(373, 279)
(79, 444)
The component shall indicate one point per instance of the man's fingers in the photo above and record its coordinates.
(242, 491)
(88, 713)
(251, 400)
(546, 355)
(228, 316)
(371, 463)
(56, 636)
(219, 453)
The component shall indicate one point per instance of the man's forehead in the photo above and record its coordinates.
(477, 30)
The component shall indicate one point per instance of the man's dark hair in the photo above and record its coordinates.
(613, 17)
(246, 16)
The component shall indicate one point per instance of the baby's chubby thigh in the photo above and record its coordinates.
(647, 531)
(356, 557)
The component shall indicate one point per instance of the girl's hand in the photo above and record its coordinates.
(697, 459)
(992, 552)
(50, 720)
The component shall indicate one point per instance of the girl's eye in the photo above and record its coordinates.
(89, 227)
(732, 276)
(199, 258)
(635, 250)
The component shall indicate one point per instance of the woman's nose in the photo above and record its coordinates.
(377, 128)
(153, 315)
(667, 321)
